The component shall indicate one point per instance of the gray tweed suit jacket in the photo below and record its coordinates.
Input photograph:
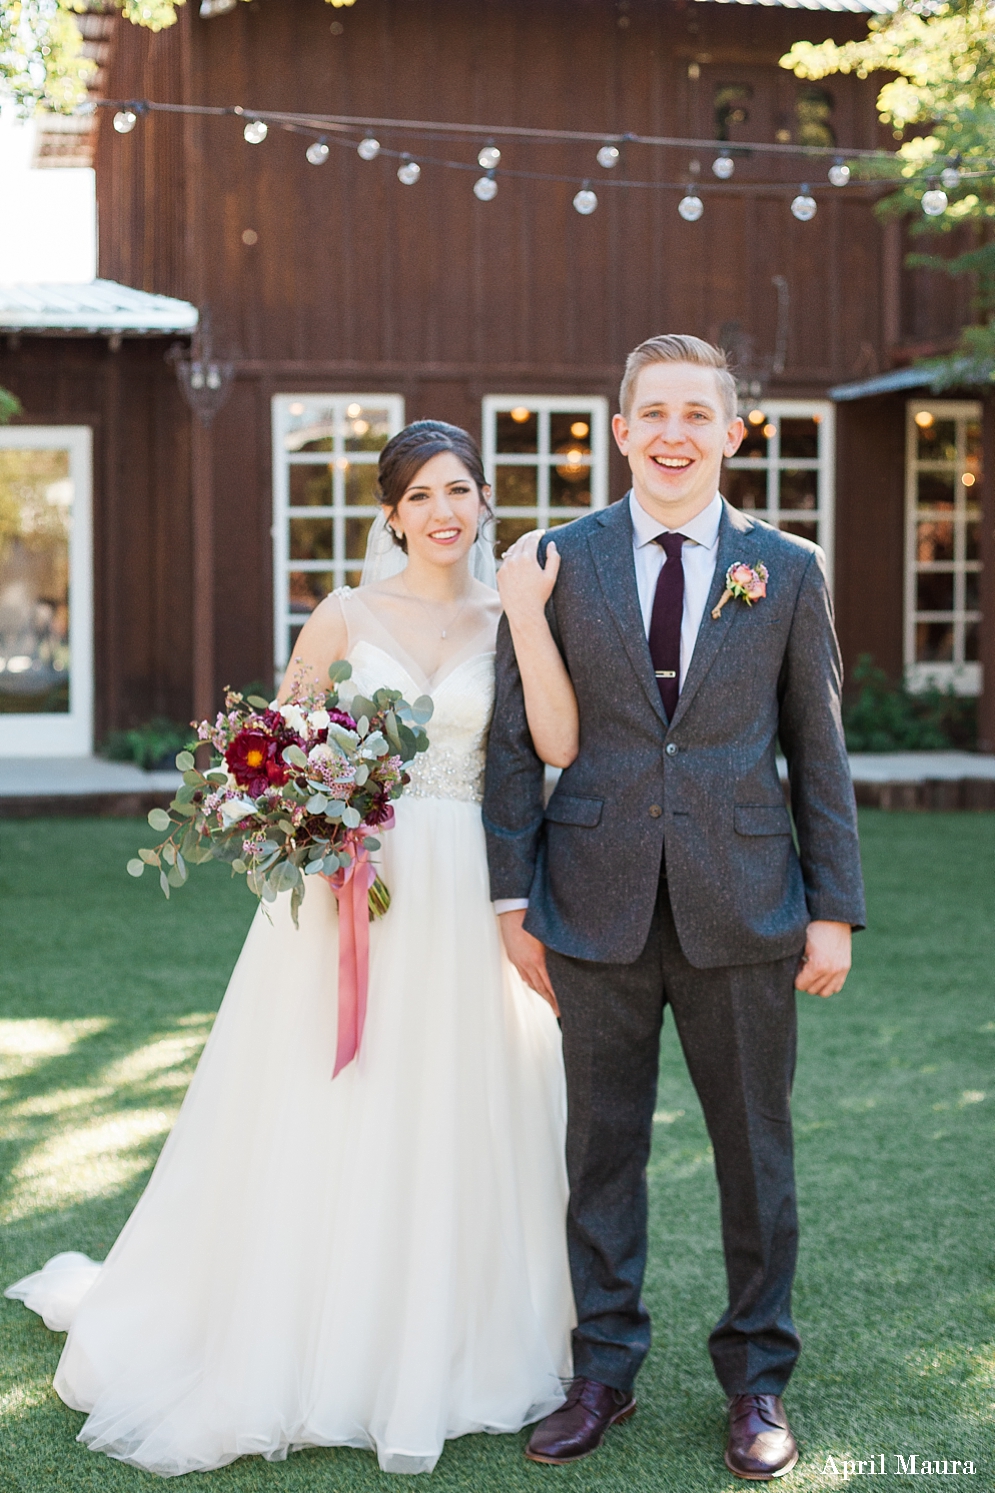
(700, 793)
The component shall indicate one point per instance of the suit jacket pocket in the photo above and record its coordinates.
(565, 808)
(761, 819)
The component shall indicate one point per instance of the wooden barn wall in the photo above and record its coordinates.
(141, 510)
(355, 282)
(870, 529)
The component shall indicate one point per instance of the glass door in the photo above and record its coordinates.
(46, 614)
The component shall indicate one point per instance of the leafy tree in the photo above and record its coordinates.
(943, 59)
(10, 406)
(41, 61)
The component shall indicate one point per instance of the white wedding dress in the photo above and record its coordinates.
(376, 1262)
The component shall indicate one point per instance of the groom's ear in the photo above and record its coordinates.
(620, 430)
(734, 437)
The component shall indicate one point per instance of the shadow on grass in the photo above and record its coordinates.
(108, 995)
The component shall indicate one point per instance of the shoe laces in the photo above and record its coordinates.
(758, 1404)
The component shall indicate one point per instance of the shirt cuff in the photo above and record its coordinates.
(510, 904)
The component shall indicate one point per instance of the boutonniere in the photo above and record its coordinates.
(748, 582)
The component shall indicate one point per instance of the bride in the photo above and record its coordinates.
(377, 1261)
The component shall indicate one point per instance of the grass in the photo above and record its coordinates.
(108, 993)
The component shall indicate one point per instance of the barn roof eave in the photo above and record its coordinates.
(95, 308)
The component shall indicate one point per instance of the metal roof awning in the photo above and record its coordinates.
(884, 383)
(852, 7)
(95, 307)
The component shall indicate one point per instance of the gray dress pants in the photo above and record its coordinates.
(737, 1028)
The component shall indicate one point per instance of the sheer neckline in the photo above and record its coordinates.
(394, 648)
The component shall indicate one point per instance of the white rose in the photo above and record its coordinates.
(294, 717)
(318, 719)
(322, 753)
(234, 809)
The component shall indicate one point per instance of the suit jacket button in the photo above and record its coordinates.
(655, 811)
(671, 749)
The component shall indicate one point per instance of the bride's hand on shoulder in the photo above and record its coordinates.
(525, 585)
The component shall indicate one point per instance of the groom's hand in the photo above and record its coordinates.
(825, 963)
(527, 954)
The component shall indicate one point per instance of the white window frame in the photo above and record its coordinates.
(964, 677)
(824, 516)
(594, 406)
(70, 734)
(338, 511)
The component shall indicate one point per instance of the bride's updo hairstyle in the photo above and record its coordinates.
(407, 452)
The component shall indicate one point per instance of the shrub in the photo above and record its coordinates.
(153, 745)
(883, 717)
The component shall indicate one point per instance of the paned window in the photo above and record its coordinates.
(942, 539)
(783, 471)
(325, 453)
(46, 619)
(546, 458)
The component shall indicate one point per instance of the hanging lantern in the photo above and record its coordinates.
(691, 206)
(804, 207)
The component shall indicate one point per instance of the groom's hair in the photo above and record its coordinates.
(677, 347)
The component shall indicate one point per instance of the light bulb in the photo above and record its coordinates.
(950, 178)
(488, 156)
(408, 172)
(608, 156)
(256, 131)
(723, 167)
(804, 207)
(934, 202)
(368, 149)
(839, 174)
(585, 201)
(317, 153)
(485, 188)
(691, 207)
(125, 121)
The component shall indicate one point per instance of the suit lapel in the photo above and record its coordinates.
(611, 551)
(733, 531)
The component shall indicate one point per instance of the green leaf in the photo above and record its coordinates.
(317, 803)
(361, 706)
(257, 702)
(192, 778)
(296, 898)
(334, 809)
(185, 761)
(181, 867)
(284, 877)
(362, 773)
(371, 843)
(350, 817)
(169, 854)
(294, 755)
(159, 819)
(174, 876)
(135, 867)
(239, 866)
(256, 881)
(362, 725)
(150, 857)
(217, 775)
(340, 670)
(314, 868)
(164, 884)
(422, 709)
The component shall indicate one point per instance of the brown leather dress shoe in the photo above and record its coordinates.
(761, 1445)
(578, 1427)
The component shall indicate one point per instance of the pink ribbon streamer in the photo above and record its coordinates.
(351, 886)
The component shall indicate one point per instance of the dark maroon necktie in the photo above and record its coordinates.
(665, 622)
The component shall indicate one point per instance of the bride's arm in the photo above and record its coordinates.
(323, 638)
(550, 702)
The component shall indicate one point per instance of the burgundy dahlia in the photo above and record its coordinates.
(254, 761)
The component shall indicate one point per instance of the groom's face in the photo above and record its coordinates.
(674, 437)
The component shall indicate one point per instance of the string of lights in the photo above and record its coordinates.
(324, 131)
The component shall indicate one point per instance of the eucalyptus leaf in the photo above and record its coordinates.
(174, 876)
(181, 867)
(164, 884)
(293, 755)
(192, 777)
(335, 808)
(268, 893)
(296, 898)
(135, 867)
(257, 702)
(362, 773)
(169, 854)
(187, 810)
(159, 819)
(371, 843)
(361, 706)
(340, 670)
(185, 761)
(314, 868)
(350, 817)
(255, 880)
(362, 725)
(239, 866)
(217, 775)
(317, 803)
(422, 709)
(150, 857)
(284, 877)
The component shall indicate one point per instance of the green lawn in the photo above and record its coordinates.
(107, 995)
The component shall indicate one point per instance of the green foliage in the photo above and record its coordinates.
(880, 717)
(10, 406)
(153, 745)
(943, 56)
(41, 60)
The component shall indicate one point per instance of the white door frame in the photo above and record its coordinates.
(69, 735)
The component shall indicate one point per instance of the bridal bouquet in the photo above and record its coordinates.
(296, 790)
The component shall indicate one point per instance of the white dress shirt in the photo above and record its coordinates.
(699, 557)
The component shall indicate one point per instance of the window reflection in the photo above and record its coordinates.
(36, 498)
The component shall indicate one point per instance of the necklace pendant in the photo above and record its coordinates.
(443, 633)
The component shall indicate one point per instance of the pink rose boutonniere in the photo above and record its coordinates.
(748, 582)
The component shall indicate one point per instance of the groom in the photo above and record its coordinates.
(663, 871)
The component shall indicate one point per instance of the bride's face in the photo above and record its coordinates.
(439, 511)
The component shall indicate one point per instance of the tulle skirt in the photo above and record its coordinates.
(376, 1262)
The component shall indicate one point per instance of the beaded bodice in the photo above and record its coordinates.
(463, 697)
